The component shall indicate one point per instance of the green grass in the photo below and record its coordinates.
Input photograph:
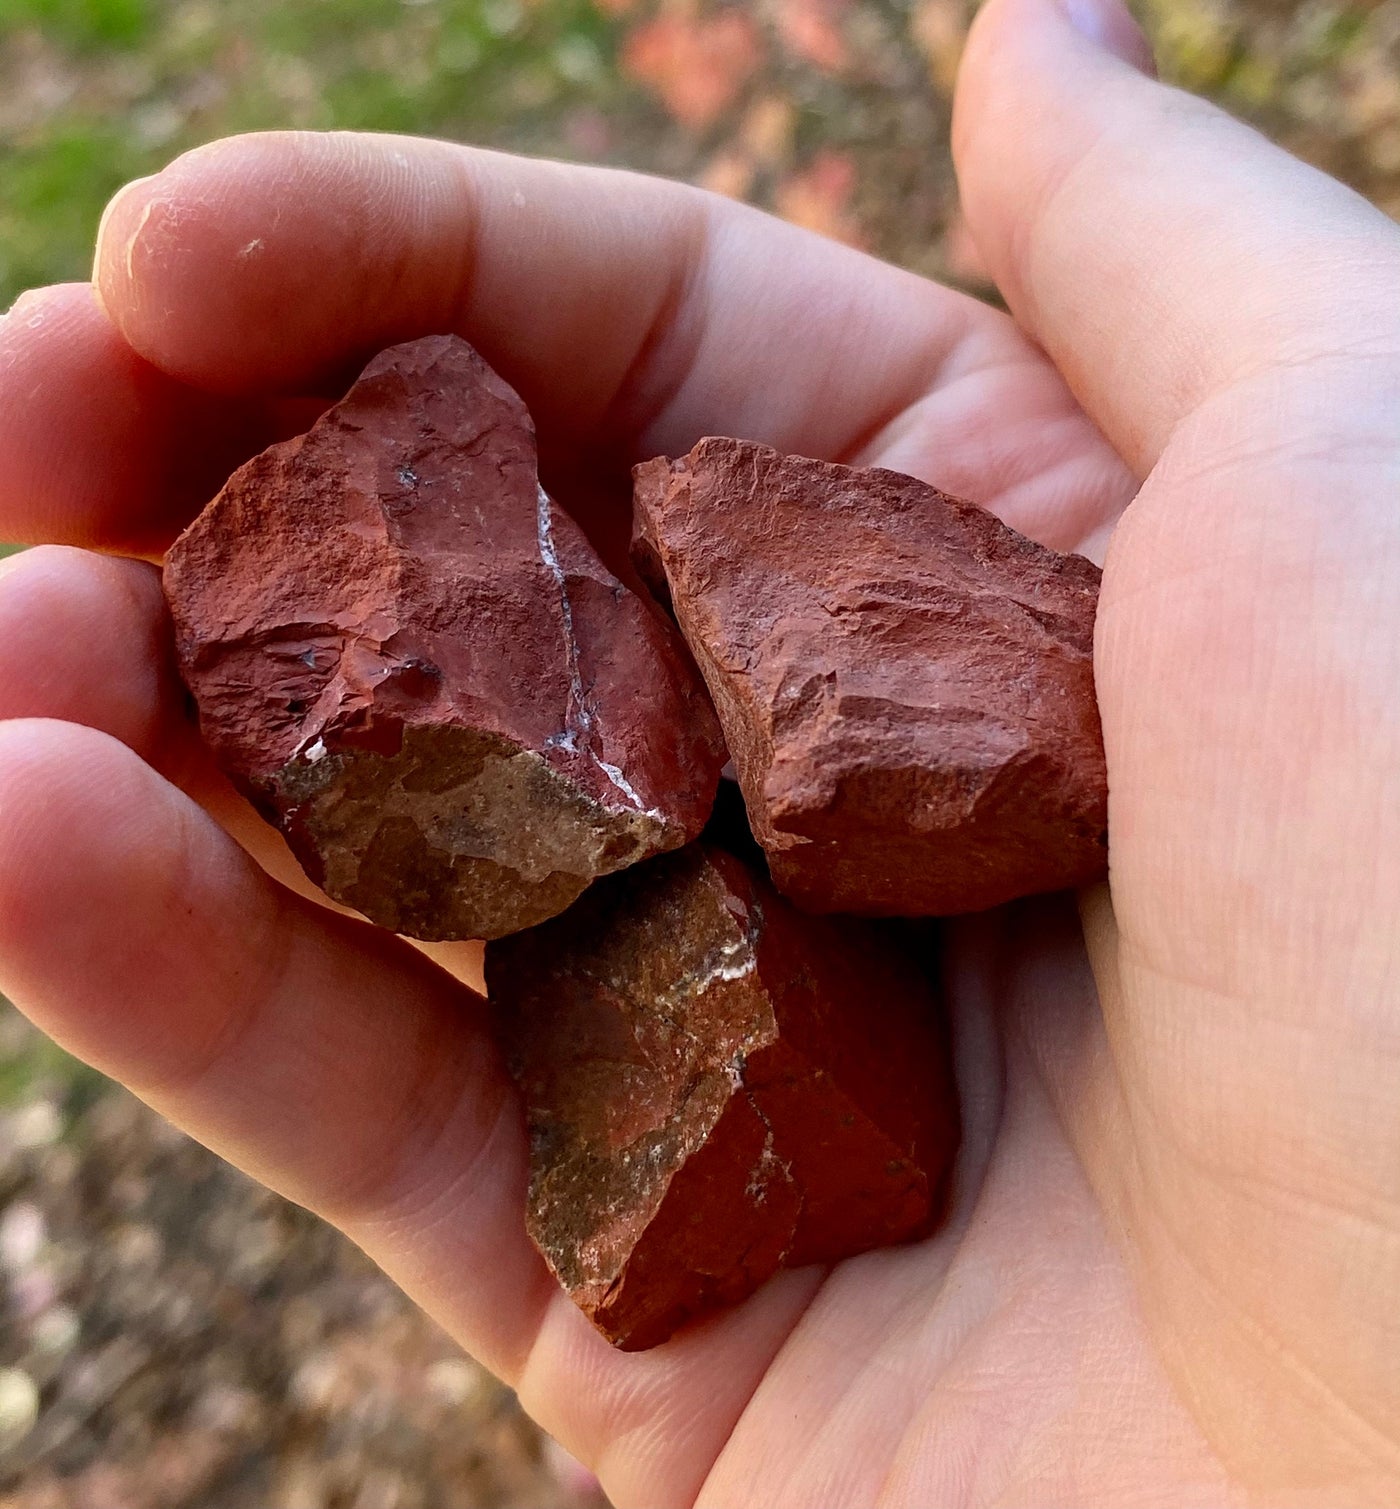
(84, 23)
(51, 192)
(145, 79)
(93, 92)
(32, 1065)
(101, 91)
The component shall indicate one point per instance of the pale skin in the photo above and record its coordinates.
(1172, 1274)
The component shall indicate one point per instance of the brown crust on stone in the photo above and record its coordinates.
(717, 1086)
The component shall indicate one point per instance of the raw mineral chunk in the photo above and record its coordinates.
(906, 685)
(717, 1086)
(415, 664)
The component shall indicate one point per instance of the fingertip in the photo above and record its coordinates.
(1110, 26)
(147, 266)
(85, 639)
(1155, 247)
(55, 308)
(119, 227)
(1081, 44)
(97, 447)
(61, 362)
(135, 249)
(216, 269)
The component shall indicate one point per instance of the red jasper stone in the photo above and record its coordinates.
(415, 664)
(717, 1086)
(906, 685)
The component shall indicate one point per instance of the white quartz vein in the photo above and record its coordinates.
(732, 961)
(578, 717)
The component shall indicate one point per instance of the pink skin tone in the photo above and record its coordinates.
(1171, 1272)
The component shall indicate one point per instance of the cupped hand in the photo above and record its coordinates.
(1170, 1276)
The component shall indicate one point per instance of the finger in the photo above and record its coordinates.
(98, 447)
(626, 309)
(156, 970)
(84, 638)
(336, 1064)
(325, 1057)
(635, 315)
(1156, 248)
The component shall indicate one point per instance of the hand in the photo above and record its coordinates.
(1172, 1269)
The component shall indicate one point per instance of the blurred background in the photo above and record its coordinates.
(170, 1336)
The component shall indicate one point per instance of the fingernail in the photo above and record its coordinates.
(1109, 24)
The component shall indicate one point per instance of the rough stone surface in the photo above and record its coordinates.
(717, 1086)
(415, 664)
(906, 685)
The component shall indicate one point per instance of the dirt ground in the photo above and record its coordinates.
(172, 1336)
(191, 1340)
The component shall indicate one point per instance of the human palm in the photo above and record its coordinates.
(1170, 1270)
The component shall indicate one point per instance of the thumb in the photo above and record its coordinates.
(1158, 249)
(1234, 1104)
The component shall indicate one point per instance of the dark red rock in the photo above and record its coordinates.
(906, 685)
(415, 664)
(717, 1086)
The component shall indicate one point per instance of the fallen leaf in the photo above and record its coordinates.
(818, 198)
(939, 29)
(767, 129)
(695, 65)
(730, 173)
(811, 30)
